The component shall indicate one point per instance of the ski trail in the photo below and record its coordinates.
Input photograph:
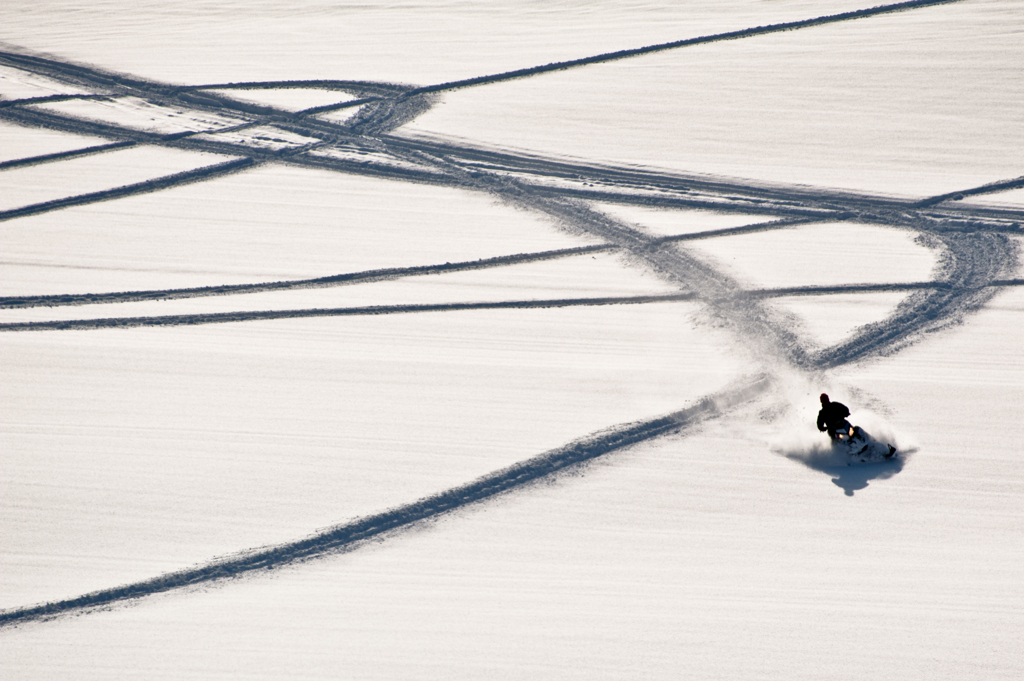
(350, 535)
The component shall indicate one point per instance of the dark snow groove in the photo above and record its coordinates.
(145, 187)
(991, 188)
(350, 535)
(718, 37)
(369, 276)
(64, 155)
(371, 310)
(49, 99)
(744, 229)
(939, 317)
(969, 272)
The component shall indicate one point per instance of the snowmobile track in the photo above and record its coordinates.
(65, 155)
(349, 535)
(703, 40)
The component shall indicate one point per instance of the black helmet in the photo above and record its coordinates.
(824, 398)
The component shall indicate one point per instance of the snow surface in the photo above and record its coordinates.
(516, 379)
(290, 99)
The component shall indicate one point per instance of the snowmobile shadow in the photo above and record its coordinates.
(848, 476)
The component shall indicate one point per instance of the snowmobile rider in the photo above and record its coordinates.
(832, 417)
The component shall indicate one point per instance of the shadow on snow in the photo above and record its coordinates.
(850, 476)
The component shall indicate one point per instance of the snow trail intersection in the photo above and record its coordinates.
(974, 245)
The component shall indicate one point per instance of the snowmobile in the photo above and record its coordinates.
(856, 443)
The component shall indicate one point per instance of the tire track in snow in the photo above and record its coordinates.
(744, 229)
(991, 188)
(348, 536)
(65, 155)
(356, 87)
(387, 106)
(372, 310)
(49, 99)
(703, 40)
(198, 319)
(369, 276)
(970, 272)
(145, 187)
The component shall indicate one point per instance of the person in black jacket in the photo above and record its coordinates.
(832, 416)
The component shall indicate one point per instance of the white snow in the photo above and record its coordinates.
(289, 99)
(719, 549)
(17, 142)
(831, 254)
(829, 319)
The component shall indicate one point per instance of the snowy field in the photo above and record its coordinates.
(452, 340)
